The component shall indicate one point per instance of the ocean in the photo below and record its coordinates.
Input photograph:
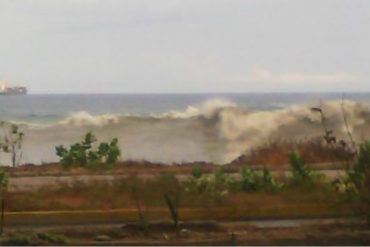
(175, 128)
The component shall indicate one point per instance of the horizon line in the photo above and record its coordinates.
(200, 93)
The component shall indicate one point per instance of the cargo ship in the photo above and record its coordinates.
(18, 90)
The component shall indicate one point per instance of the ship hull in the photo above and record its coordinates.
(14, 91)
(4, 94)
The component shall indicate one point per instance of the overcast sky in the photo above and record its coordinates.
(170, 46)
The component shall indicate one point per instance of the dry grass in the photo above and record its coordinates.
(275, 153)
(86, 204)
(117, 195)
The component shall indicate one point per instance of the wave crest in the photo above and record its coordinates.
(83, 118)
(208, 109)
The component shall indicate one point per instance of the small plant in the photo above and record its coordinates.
(300, 172)
(84, 154)
(12, 142)
(328, 133)
(3, 179)
(249, 180)
(139, 193)
(197, 171)
(329, 136)
(109, 152)
(233, 184)
(268, 182)
(219, 179)
(172, 192)
(363, 163)
(359, 175)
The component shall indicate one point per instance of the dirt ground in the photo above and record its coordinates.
(115, 227)
(272, 232)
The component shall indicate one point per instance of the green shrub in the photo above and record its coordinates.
(249, 180)
(109, 152)
(301, 174)
(233, 184)
(197, 171)
(3, 179)
(252, 181)
(364, 156)
(359, 176)
(219, 176)
(199, 185)
(83, 153)
(358, 173)
(268, 182)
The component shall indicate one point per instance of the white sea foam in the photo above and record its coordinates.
(217, 131)
(207, 109)
(83, 118)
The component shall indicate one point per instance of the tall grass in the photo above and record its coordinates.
(276, 153)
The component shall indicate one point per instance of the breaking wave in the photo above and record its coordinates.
(83, 118)
(216, 131)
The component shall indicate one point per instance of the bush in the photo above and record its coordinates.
(251, 181)
(197, 171)
(233, 184)
(83, 153)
